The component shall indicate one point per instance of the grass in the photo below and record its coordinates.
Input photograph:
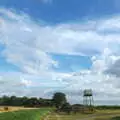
(98, 115)
(34, 114)
(116, 118)
(38, 114)
(108, 118)
(78, 116)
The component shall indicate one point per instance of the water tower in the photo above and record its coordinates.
(88, 101)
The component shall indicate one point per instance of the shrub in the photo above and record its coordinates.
(66, 108)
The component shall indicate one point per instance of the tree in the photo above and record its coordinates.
(66, 108)
(59, 99)
(32, 102)
(5, 100)
(24, 101)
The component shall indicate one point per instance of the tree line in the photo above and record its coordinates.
(108, 107)
(25, 101)
(58, 100)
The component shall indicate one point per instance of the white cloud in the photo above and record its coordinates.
(11, 83)
(20, 84)
(98, 78)
(29, 44)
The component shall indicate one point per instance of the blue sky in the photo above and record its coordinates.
(60, 45)
(64, 10)
(72, 63)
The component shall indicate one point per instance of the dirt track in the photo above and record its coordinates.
(89, 117)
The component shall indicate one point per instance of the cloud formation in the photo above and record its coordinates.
(29, 45)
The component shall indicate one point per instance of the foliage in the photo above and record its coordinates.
(66, 107)
(35, 114)
(59, 99)
(24, 101)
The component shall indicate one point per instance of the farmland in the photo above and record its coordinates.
(11, 109)
(98, 115)
(19, 113)
(31, 114)
(47, 109)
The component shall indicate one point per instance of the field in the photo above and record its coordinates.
(31, 114)
(99, 115)
(10, 109)
(39, 114)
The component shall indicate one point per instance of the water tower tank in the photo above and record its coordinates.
(87, 92)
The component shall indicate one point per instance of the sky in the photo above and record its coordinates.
(49, 46)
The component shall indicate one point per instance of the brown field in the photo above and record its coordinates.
(10, 109)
